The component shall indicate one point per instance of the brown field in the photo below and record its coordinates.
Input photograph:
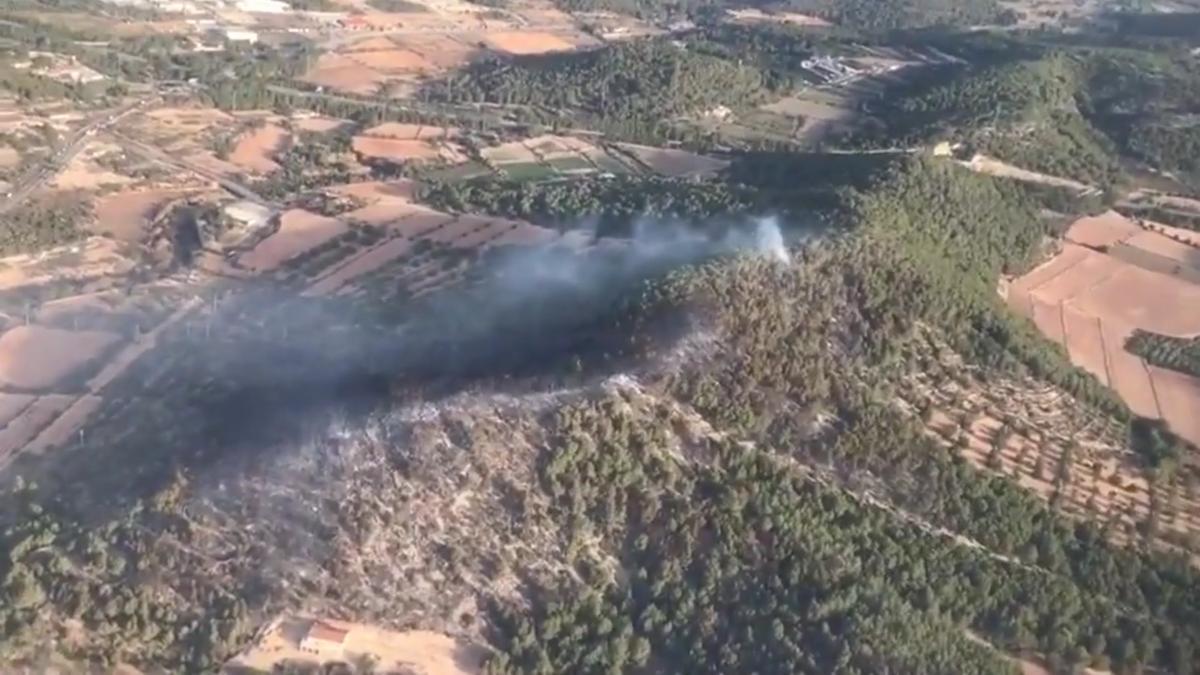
(1103, 230)
(392, 149)
(403, 131)
(12, 405)
(415, 651)
(1129, 373)
(64, 427)
(1158, 244)
(9, 157)
(372, 191)
(525, 234)
(1048, 318)
(1085, 343)
(255, 150)
(525, 42)
(1179, 397)
(1154, 302)
(675, 163)
(1104, 298)
(319, 124)
(84, 174)
(35, 357)
(375, 43)
(344, 73)
(383, 212)
(403, 61)
(299, 231)
(1177, 233)
(24, 428)
(125, 215)
(363, 263)
(422, 224)
(1092, 268)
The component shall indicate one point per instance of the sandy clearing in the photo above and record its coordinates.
(994, 167)
(299, 231)
(1130, 378)
(255, 150)
(361, 264)
(1179, 396)
(670, 162)
(808, 109)
(319, 124)
(1153, 242)
(62, 430)
(1085, 344)
(527, 42)
(416, 651)
(125, 215)
(12, 405)
(1103, 230)
(756, 15)
(18, 432)
(393, 149)
(87, 303)
(1154, 302)
(36, 357)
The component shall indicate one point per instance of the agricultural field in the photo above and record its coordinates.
(1090, 297)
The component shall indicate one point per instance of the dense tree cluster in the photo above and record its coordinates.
(1181, 354)
(645, 82)
(1024, 111)
(43, 223)
(735, 562)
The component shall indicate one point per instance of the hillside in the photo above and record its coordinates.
(632, 84)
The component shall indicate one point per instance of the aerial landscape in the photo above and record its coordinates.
(455, 337)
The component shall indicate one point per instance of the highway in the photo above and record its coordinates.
(37, 177)
(156, 155)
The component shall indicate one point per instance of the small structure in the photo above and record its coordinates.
(324, 639)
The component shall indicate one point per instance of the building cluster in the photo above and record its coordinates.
(830, 69)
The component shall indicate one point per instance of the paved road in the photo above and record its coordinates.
(156, 155)
(37, 177)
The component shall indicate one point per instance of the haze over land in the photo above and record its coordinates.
(597, 336)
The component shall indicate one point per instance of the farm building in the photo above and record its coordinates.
(324, 639)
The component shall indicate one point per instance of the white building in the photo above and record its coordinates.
(240, 35)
